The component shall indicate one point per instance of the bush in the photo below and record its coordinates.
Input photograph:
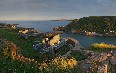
(102, 47)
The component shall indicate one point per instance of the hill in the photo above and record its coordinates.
(98, 24)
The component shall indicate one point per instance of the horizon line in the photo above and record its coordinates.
(48, 19)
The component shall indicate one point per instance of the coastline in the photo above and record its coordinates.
(77, 55)
(83, 32)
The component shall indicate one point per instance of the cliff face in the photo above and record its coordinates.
(99, 24)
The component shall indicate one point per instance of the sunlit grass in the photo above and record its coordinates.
(102, 47)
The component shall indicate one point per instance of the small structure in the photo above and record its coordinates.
(51, 34)
(14, 26)
(55, 40)
(24, 31)
(90, 33)
(30, 29)
(27, 32)
(52, 40)
(3, 27)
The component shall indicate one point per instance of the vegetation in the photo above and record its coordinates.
(98, 24)
(102, 47)
(18, 63)
(24, 44)
(17, 55)
(63, 50)
(8, 65)
(78, 55)
(69, 41)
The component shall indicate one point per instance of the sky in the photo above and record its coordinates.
(55, 9)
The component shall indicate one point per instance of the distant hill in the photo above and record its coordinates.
(98, 24)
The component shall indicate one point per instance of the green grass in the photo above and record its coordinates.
(8, 65)
(63, 50)
(71, 42)
(78, 55)
(24, 44)
(100, 50)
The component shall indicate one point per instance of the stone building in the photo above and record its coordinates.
(52, 40)
(55, 40)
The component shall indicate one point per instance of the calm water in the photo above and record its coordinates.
(87, 40)
(46, 26)
(43, 26)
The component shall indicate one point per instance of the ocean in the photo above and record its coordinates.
(47, 26)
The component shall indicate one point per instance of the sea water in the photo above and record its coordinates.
(47, 26)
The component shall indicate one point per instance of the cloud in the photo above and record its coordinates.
(49, 9)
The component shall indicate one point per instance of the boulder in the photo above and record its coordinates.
(113, 60)
(102, 69)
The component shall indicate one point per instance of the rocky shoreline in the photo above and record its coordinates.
(91, 26)
(82, 32)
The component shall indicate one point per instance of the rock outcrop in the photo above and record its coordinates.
(99, 62)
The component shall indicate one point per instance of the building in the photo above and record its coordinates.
(55, 40)
(14, 26)
(30, 29)
(3, 27)
(52, 40)
(49, 44)
(24, 31)
(90, 33)
(27, 30)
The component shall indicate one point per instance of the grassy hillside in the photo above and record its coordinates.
(99, 24)
(28, 60)
(25, 45)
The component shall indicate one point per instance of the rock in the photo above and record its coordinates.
(113, 60)
(103, 57)
(102, 69)
(113, 53)
(88, 66)
(99, 62)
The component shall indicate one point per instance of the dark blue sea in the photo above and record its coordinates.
(47, 26)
